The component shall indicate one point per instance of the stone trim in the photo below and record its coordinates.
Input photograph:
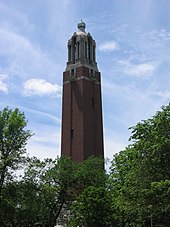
(80, 78)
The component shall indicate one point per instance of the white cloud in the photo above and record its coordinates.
(3, 85)
(138, 69)
(108, 46)
(40, 87)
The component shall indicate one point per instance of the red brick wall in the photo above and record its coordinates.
(82, 111)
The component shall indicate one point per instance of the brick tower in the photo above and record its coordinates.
(82, 126)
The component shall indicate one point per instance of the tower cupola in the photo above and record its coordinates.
(81, 49)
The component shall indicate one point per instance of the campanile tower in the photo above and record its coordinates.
(82, 126)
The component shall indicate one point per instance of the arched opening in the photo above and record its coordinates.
(89, 49)
(94, 56)
(85, 50)
(69, 53)
(74, 50)
(78, 50)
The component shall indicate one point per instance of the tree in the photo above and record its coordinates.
(30, 188)
(58, 187)
(37, 197)
(121, 166)
(13, 138)
(73, 178)
(142, 170)
(92, 204)
(49, 185)
(33, 199)
(93, 208)
(63, 181)
(90, 172)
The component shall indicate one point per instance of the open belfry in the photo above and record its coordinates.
(82, 125)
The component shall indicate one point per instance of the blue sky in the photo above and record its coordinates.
(133, 55)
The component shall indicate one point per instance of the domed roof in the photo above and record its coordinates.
(81, 25)
(81, 28)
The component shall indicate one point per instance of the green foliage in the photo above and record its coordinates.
(140, 174)
(13, 139)
(38, 197)
(92, 204)
(92, 208)
(90, 173)
(52, 183)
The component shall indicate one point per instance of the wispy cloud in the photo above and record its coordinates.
(114, 145)
(40, 87)
(140, 102)
(141, 69)
(161, 37)
(42, 145)
(41, 151)
(17, 50)
(3, 85)
(53, 139)
(163, 94)
(108, 46)
(43, 114)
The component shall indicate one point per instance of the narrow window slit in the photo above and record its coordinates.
(92, 102)
(72, 133)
